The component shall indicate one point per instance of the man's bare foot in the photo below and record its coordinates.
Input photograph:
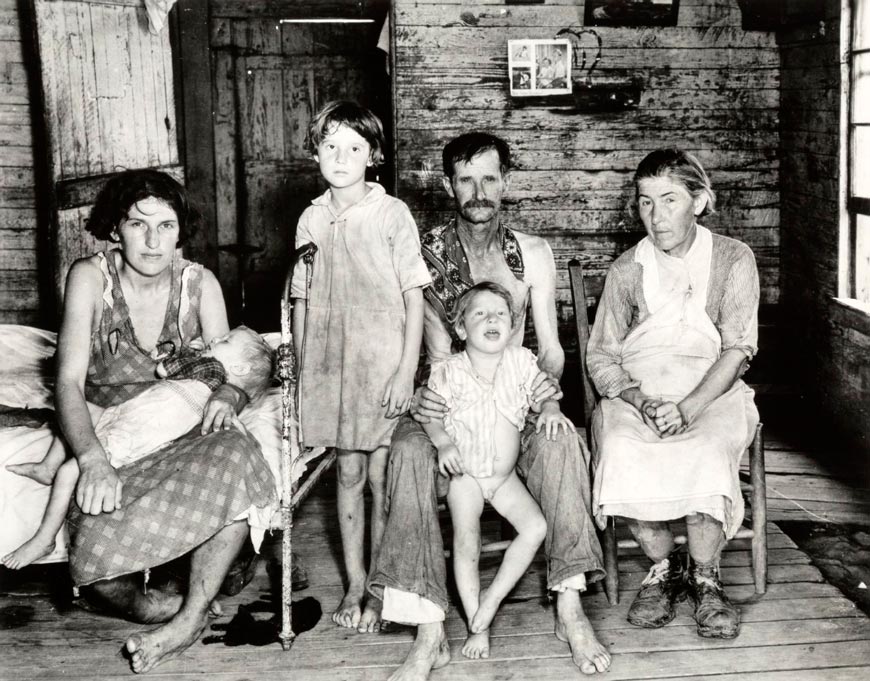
(573, 627)
(484, 615)
(430, 651)
(370, 622)
(151, 648)
(476, 646)
(30, 551)
(38, 471)
(349, 611)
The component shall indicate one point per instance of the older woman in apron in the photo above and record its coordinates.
(675, 329)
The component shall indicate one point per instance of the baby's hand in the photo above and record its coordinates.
(449, 460)
(551, 419)
(397, 396)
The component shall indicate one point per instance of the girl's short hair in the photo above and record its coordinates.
(464, 302)
(356, 117)
(127, 188)
(680, 166)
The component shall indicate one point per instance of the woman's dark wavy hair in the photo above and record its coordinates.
(129, 187)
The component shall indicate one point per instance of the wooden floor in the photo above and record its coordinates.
(803, 628)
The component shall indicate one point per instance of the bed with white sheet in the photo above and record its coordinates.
(27, 381)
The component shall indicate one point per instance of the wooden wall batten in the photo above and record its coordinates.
(709, 87)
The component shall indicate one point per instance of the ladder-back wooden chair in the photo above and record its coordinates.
(757, 491)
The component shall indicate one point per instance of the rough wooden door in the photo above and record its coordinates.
(270, 78)
(108, 100)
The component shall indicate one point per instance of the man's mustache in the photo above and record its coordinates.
(482, 203)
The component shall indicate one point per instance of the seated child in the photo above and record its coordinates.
(488, 388)
(143, 424)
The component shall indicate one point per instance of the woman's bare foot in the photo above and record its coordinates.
(151, 648)
(30, 551)
(430, 651)
(484, 615)
(370, 622)
(157, 606)
(476, 646)
(349, 611)
(39, 471)
(573, 627)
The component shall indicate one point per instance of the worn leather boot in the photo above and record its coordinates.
(662, 588)
(716, 616)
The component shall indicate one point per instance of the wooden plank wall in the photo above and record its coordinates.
(830, 354)
(19, 281)
(709, 87)
(109, 100)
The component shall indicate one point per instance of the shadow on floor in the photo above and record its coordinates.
(840, 551)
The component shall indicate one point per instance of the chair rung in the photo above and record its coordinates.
(495, 546)
(679, 539)
(492, 547)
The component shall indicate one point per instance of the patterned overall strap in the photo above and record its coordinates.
(120, 368)
(193, 366)
(451, 274)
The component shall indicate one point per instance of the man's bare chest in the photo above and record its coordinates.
(496, 270)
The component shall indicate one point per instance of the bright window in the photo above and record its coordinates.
(857, 270)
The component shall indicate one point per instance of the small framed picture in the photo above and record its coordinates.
(631, 12)
(539, 67)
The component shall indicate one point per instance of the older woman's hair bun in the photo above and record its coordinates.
(682, 167)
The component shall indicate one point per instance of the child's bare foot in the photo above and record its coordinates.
(370, 622)
(29, 552)
(484, 615)
(38, 471)
(476, 646)
(349, 612)
(573, 627)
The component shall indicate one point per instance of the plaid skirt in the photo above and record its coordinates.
(173, 501)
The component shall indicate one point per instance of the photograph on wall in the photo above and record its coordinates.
(631, 12)
(539, 67)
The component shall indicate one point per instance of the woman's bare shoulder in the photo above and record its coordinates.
(87, 271)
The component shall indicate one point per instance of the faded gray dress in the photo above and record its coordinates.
(366, 259)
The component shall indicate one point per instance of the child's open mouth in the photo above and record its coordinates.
(492, 334)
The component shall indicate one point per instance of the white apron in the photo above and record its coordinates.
(639, 475)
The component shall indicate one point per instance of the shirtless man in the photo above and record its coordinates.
(410, 573)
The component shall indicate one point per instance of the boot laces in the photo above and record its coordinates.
(658, 573)
(707, 578)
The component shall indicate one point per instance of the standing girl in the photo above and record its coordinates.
(361, 324)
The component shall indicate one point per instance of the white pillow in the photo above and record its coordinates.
(26, 366)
